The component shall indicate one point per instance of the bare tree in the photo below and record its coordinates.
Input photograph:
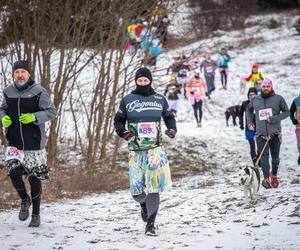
(77, 51)
(211, 15)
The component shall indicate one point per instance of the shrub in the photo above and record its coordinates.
(297, 25)
(273, 24)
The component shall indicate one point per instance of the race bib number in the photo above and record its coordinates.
(12, 153)
(147, 129)
(264, 114)
(172, 90)
(195, 89)
(209, 69)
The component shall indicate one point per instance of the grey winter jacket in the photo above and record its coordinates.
(33, 99)
(274, 103)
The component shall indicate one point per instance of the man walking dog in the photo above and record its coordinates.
(270, 110)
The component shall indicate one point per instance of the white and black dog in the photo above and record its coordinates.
(250, 179)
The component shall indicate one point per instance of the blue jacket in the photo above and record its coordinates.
(294, 107)
(223, 60)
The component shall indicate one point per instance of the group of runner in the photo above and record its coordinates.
(26, 106)
(186, 79)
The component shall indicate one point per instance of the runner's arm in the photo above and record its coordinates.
(285, 112)
(120, 119)
(168, 116)
(292, 112)
(3, 107)
(250, 114)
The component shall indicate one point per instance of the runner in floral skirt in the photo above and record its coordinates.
(25, 108)
(149, 171)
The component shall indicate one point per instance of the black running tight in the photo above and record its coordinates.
(35, 185)
(198, 111)
(223, 78)
(151, 201)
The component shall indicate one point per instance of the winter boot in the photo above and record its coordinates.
(35, 221)
(150, 229)
(266, 183)
(144, 214)
(274, 181)
(24, 212)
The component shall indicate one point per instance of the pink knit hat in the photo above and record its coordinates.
(267, 82)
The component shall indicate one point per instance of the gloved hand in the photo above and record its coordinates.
(192, 92)
(6, 121)
(27, 118)
(242, 127)
(170, 133)
(295, 122)
(251, 127)
(128, 135)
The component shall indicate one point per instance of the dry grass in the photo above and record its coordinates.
(174, 42)
(73, 182)
(250, 42)
(67, 183)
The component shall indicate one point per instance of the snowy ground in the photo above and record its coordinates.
(201, 212)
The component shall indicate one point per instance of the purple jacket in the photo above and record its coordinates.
(209, 67)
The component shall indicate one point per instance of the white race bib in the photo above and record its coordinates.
(264, 114)
(12, 153)
(196, 89)
(209, 69)
(147, 129)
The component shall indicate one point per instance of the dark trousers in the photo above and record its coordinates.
(223, 77)
(151, 202)
(252, 150)
(272, 147)
(35, 185)
(210, 82)
(198, 111)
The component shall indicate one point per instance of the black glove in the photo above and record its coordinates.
(170, 133)
(192, 92)
(128, 135)
(295, 122)
(242, 127)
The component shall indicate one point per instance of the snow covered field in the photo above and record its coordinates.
(201, 212)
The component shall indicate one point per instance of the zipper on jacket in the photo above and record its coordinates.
(21, 132)
(266, 121)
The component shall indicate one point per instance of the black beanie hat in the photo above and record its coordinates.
(21, 64)
(252, 90)
(143, 72)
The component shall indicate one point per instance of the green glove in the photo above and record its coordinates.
(6, 121)
(27, 118)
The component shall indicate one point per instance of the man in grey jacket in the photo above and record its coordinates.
(270, 109)
(25, 108)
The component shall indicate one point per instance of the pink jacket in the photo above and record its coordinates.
(196, 89)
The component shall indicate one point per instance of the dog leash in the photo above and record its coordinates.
(262, 151)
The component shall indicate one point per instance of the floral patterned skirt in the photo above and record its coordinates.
(149, 170)
(34, 164)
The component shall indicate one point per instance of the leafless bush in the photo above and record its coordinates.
(248, 42)
(297, 25)
(273, 24)
(212, 15)
(63, 40)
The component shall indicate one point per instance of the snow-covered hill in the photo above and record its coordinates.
(201, 212)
